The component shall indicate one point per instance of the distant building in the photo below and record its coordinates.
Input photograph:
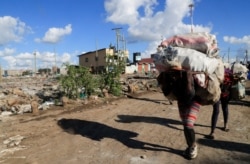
(97, 60)
(145, 65)
(12, 72)
(136, 57)
(55, 70)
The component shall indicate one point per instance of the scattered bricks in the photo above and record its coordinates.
(34, 107)
(19, 92)
(5, 107)
(147, 86)
(144, 82)
(13, 141)
(93, 97)
(25, 108)
(65, 101)
(131, 88)
(11, 101)
(105, 93)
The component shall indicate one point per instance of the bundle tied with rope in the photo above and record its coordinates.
(197, 55)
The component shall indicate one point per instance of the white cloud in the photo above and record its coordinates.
(50, 58)
(151, 26)
(23, 64)
(20, 61)
(7, 52)
(12, 29)
(27, 60)
(235, 40)
(10, 60)
(25, 55)
(15, 63)
(66, 57)
(126, 12)
(54, 35)
(46, 57)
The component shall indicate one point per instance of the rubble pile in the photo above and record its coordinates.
(25, 95)
(138, 83)
(19, 95)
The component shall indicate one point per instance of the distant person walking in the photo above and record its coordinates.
(224, 101)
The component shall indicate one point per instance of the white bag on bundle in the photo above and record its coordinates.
(211, 93)
(239, 70)
(158, 59)
(185, 58)
(200, 41)
(219, 71)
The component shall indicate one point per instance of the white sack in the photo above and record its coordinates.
(220, 71)
(239, 68)
(211, 93)
(184, 58)
(200, 79)
(238, 91)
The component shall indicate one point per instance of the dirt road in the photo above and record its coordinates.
(139, 130)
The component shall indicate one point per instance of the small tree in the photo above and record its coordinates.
(77, 77)
(111, 78)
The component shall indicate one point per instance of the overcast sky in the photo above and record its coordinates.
(57, 31)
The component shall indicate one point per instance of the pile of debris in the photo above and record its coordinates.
(20, 95)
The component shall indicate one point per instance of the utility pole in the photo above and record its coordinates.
(123, 43)
(0, 73)
(191, 15)
(117, 31)
(55, 62)
(246, 57)
(96, 58)
(124, 46)
(35, 62)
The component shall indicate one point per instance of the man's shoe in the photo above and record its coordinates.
(191, 152)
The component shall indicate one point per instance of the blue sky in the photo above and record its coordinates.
(60, 30)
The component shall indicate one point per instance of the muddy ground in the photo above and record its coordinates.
(139, 129)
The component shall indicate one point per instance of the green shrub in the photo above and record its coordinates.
(77, 77)
(110, 78)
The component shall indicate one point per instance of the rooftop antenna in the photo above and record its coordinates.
(117, 31)
(191, 15)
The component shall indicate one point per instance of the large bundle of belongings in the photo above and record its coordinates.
(239, 72)
(197, 55)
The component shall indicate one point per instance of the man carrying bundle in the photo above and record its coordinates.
(191, 77)
(181, 84)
